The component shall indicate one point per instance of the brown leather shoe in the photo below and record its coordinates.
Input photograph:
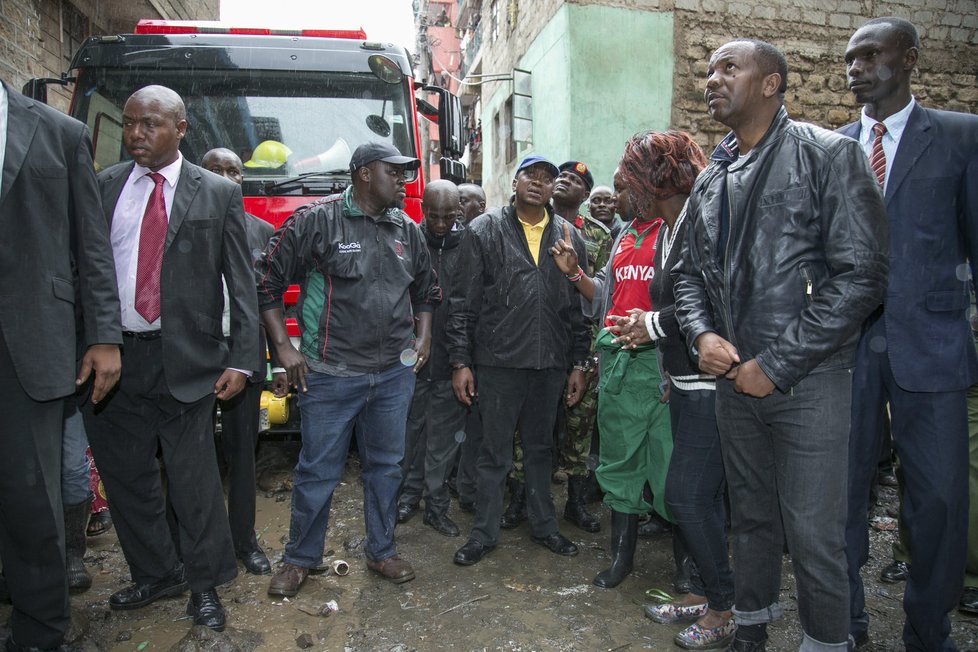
(287, 580)
(393, 568)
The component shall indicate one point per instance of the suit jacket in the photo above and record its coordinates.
(259, 233)
(205, 240)
(932, 204)
(50, 218)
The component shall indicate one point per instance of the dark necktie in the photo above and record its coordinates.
(152, 233)
(878, 158)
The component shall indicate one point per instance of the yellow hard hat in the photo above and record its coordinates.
(269, 154)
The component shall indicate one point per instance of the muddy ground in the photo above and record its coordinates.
(521, 597)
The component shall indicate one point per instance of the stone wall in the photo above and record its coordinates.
(813, 35)
(38, 37)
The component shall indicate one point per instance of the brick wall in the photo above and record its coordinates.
(38, 37)
(813, 35)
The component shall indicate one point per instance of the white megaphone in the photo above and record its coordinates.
(335, 158)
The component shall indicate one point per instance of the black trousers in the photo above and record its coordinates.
(125, 433)
(239, 436)
(511, 399)
(31, 520)
(930, 435)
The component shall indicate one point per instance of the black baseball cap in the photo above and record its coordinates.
(581, 170)
(375, 151)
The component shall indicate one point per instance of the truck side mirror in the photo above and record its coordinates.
(450, 134)
(37, 88)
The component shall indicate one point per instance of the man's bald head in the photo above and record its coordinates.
(224, 162)
(601, 204)
(167, 98)
(154, 121)
(440, 206)
(473, 201)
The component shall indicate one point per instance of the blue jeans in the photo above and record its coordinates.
(695, 489)
(75, 479)
(377, 404)
(785, 457)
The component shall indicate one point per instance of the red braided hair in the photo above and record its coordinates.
(658, 165)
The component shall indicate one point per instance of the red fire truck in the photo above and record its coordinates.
(293, 104)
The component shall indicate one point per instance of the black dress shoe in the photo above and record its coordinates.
(12, 646)
(471, 553)
(405, 512)
(255, 562)
(969, 601)
(441, 523)
(205, 608)
(558, 544)
(898, 571)
(140, 595)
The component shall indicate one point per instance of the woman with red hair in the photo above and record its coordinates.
(633, 294)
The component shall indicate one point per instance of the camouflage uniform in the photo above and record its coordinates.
(576, 445)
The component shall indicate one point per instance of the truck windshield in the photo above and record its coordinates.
(281, 124)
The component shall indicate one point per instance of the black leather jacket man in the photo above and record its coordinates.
(789, 293)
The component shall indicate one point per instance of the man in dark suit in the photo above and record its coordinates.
(176, 231)
(50, 218)
(916, 352)
(239, 415)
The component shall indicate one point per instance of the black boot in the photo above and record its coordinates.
(76, 521)
(575, 510)
(624, 534)
(516, 512)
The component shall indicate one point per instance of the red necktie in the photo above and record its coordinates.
(878, 158)
(152, 233)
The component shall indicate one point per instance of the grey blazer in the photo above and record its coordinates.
(206, 239)
(51, 221)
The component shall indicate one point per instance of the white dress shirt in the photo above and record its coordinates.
(3, 128)
(895, 125)
(127, 219)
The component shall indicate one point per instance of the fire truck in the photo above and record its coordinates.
(293, 104)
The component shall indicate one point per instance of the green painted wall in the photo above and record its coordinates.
(600, 74)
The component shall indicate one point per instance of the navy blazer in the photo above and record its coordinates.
(932, 204)
(53, 235)
(205, 240)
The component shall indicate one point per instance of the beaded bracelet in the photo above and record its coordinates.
(574, 278)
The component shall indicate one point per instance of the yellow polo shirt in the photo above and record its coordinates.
(534, 234)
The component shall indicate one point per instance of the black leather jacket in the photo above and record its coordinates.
(805, 261)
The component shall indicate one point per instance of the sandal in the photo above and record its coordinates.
(99, 523)
(696, 637)
(673, 612)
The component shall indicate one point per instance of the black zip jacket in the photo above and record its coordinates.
(504, 310)
(805, 260)
(445, 255)
(361, 281)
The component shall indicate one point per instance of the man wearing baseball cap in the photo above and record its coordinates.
(373, 151)
(574, 182)
(512, 321)
(366, 295)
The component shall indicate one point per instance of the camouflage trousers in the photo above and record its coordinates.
(574, 443)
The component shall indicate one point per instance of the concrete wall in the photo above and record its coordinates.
(38, 37)
(813, 35)
(599, 74)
